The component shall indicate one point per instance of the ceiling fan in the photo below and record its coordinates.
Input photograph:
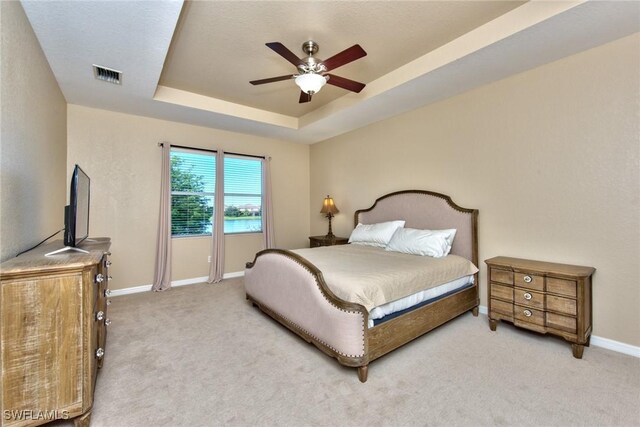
(313, 72)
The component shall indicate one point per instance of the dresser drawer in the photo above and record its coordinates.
(547, 297)
(528, 298)
(502, 276)
(561, 305)
(502, 307)
(529, 281)
(529, 315)
(502, 292)
(561, 286)
(564, 323)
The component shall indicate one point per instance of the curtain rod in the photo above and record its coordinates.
(161, 144)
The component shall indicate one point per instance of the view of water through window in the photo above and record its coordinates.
(193, 182)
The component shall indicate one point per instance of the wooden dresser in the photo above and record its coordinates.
(542, 296)
(317, 241)
(53, 333)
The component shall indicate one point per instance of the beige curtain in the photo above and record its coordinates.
(216, 268)
(267, 205)
(162, 275)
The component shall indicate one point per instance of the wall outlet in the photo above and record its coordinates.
(209, 259)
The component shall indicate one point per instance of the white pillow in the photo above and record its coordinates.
(419, 242)
(448, 234)
(375, 234)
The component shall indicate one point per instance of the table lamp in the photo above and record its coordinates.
(329, 209)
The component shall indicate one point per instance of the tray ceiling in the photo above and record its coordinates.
(218, 47)
(191, 62)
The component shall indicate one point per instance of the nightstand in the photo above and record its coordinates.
(541, 296)
(317, 241)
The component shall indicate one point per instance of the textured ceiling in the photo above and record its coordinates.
(218, 47)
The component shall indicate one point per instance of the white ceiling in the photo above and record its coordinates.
(192, 63)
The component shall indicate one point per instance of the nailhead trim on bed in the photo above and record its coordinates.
(315, 278)
(295, 325)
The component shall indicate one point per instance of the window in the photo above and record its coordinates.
(193, 182)
(242, 194)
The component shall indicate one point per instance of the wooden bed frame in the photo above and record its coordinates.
(291, 290)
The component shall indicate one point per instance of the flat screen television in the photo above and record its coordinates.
(76, 213)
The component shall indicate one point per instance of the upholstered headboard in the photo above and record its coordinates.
(427, 210)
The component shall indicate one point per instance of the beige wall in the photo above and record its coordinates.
(120, 154)
(33, 139)
(550, 157)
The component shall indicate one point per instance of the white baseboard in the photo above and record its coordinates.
(183, 282)
(597, 341)
(618, 346)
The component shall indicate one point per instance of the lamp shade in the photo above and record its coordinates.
(310, 82)
(328, 207)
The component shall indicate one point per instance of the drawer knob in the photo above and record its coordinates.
(107, 322)
(527, 279)
(109, 278)
(527, 313)
(108, 302)
(107, 263)
(99, 278)
(527, 296)
(100, 353)
(100, 315)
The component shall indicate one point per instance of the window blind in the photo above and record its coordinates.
(242, 194)
(193, 183)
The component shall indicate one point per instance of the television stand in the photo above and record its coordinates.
(54, 334)
(66, 249)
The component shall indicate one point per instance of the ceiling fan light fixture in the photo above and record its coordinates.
(310, 83)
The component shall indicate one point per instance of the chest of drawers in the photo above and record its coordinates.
(53, 331)
(545, 297)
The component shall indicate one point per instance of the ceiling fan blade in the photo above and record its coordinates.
(281, 50)
(271, 80)
(344, 83)
(304, 97)
(344, 57)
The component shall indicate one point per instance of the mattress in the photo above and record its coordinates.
(385, 312)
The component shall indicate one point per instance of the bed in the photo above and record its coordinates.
(292, 290)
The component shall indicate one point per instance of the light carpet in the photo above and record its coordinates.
(201, 355)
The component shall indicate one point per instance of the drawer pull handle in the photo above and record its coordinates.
(527, 313)
(107, 322)
(100, 353)
(100, 315)
(527, 279)
(527, 296)
(107, 292)
(99, 278)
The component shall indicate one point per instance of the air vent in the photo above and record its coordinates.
(107, 74)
